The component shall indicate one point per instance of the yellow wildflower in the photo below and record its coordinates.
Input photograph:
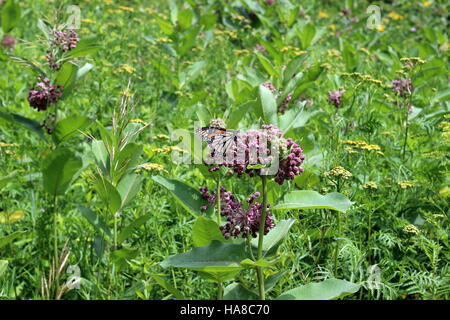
(381, 27)
(128, 68)
(405, 184)
(88, 21)
(126, 8)
(370, 185)
(162, 136)
(151, 166)
(333, 27)
(410, 228)
(426, 3)
(5, 145)
(322, 15)
(139, 121)
(338, 172)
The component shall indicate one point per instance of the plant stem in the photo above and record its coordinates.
(115, 232)
(262, 225)
(369, 236)
(406, 137)
(337, 243)
(218, 200)
(55, 242)
(55, 232)
(220, 290)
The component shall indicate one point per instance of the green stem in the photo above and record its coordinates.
(55, 243)
(218, 200)
(249, 245)
(369, 237)
(115, 232)
(406, 137)
(337, 244)
(55, 232)
(262, 225)
(220, 290)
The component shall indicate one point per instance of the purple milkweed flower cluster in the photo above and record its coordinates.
(63, 41)
(8, 42)
(49, 122)
(291, 166)
(269, 2)
(284, 105)
(269, 86)
(334, 97)
(346, 11)
(258, 147)
(402, 87)
(239, 221)
(43, 94)
(260, 48)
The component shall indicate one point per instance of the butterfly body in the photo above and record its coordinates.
(219, 139)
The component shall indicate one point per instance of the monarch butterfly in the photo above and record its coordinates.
(218, 139)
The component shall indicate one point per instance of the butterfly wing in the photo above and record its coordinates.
(218, 139)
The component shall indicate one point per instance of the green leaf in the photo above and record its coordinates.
(291, 86)
(192, 73)
(30, 124)
(68, 126)
(268, 105)
(293, 67)
(266, 64)
(3, 266)
(128, 230)
(96, 220)
(7, 179)
(208, 21)
(84, 47)
(166, 285)
(205, 230)
(214, 258)
(10, 238)
(203, 114)
(108, 193)
(273, 239)
(189, 40)
(10, 16)
(326, 290)
(350, 56)
(236, 291)
(306, 180)
(248, 263)
(42, 25)
(291, 117)
(59, 169)
(26, 63)
(238, 114)
(121, 256)
(128, 187)
(272, 280)
(66, 78)
(185, 18)
(306, 34)
(83, 70)
(190, 198)
(309, 199)
(126, 160)
(101, 155)
(99, 246)
(165, 26)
